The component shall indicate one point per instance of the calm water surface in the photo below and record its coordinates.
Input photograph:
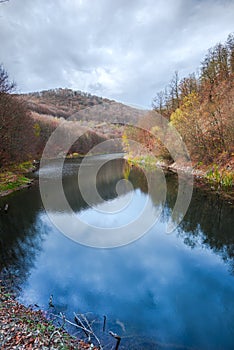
(160, 292)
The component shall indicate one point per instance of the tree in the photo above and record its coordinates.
(188, 85)
(187, 120)
(174, 91)
(16, 126)
(6, 86)
(230, 46)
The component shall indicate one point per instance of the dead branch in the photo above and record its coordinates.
(117, 337)
(83, 327)
(87, 326)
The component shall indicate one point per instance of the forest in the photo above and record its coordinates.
(201, 108)
(201, 105)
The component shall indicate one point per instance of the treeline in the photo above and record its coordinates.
(201, 105)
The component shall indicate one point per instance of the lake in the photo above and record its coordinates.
(160, 291)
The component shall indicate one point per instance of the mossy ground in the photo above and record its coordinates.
(13, 177)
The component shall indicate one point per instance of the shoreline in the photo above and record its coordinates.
(21, 187)
(199, 175)
(24, 328)
(200, 178)
(13, 177)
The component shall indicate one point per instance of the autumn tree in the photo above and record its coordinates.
(201, 106)
(16, 127)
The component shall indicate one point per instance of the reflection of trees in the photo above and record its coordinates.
(208, 222)
(20, 239)
(214, 218)
(105, 181)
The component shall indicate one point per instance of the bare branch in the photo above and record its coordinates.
(83, 324)
(6, 85)
(60, 336)
(87, 327)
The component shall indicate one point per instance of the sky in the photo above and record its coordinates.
(126, 50)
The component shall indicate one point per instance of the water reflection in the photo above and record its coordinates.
(20, 238)
(163, 291)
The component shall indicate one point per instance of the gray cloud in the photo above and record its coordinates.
(125, 50)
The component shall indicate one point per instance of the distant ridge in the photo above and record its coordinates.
(66, 103)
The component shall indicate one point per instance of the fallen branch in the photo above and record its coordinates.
(87, 327)
(82, 326)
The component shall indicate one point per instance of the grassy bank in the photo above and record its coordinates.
(215, 177)
(13, 177)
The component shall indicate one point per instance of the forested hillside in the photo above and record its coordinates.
(28, 120)
(201, 106)
(24, 133)
(81, 106)
(61, 102)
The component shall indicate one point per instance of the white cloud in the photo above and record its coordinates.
(126, 50)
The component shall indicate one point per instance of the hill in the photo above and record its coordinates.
(81, 106)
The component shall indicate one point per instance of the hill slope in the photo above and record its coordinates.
(66, 103)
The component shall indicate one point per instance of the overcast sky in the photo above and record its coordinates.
(121, 49)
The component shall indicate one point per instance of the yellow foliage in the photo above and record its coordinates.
(37, 129)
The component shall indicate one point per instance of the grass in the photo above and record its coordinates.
(13, 177)
(222, 178)
(147, 162)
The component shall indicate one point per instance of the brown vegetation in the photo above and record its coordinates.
(27, 121)
(23, 328)
(77, 105)
(201, 108)
(16, 128)
(61, 103)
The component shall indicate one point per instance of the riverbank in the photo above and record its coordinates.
(218, 178)
(13, 177)
(24, 328)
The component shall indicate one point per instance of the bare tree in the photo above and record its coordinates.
(6, 85)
